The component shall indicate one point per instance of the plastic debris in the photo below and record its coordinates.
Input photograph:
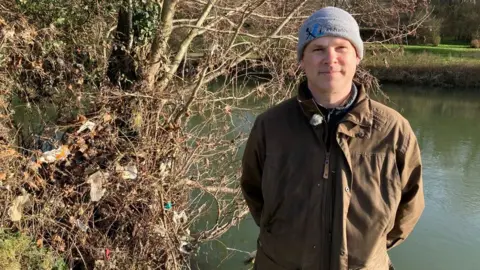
(107, 254)
(128, 172)
(87, 125)
(96, 182)
(180, 218)
(168, 205)
(185, 247)
(15, 211)
(81, 225)
(58, 154)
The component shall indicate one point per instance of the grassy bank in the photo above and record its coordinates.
(444, 66)
(458, 50)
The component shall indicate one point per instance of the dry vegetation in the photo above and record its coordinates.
(124, 139)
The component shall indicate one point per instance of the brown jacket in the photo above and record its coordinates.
(339, 208)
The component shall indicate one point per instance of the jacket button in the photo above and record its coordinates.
(342, 253)
(347, 189)
(314, 247)
(360, 134)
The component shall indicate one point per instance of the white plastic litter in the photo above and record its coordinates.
(96, 182)
(88, 125)
(15, 211)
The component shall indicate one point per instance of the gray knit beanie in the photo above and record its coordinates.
(330, 21)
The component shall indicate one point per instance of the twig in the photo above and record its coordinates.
(193, 96)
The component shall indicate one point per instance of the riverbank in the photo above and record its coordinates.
(443, 66)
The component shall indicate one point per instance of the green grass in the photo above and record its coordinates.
(425, 68)
(18, 252)
(444, 50)
(425, 59)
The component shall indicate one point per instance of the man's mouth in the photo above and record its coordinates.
(329, 72)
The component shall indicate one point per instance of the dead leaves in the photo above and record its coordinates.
(58, 243)
(7, 152)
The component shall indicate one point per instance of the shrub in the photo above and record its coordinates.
(436, 40)
(475, 43)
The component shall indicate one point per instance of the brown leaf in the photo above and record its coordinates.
(8, 153)
(82, 118)
(40, 243)
(58, 242)
(107, 117)
(3, 176)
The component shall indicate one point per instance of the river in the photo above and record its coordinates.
(447, 236)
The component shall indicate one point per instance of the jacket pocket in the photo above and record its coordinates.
(375, 194)
(265, 262)
(284, 249)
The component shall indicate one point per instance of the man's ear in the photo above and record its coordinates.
(358, 60)
(300, 64)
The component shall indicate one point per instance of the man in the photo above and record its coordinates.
(333, 178)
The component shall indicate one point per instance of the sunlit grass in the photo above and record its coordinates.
(445, 50)
(425, 59)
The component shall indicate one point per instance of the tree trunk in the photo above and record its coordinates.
(160, 42)
(121, 64)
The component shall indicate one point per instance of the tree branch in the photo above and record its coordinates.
(222, 69)
(254, 48)
(193, 96)
(160, 42)
(205, 29)
(184, 47)
(211, 189)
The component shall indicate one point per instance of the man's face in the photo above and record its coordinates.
(329, 64)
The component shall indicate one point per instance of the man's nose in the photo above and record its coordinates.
(330, 56)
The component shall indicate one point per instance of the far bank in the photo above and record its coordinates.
(435, 66)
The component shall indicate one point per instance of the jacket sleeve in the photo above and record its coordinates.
(252, 168)
(412, 201)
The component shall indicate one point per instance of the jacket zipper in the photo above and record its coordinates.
(326, 166)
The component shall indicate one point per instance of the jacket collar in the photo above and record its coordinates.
(356, 123)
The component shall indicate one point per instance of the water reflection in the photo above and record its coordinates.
(448, 234)
(447, 128)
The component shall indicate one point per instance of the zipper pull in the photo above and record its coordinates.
(326, 166)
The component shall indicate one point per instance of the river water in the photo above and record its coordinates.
(447, 236)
